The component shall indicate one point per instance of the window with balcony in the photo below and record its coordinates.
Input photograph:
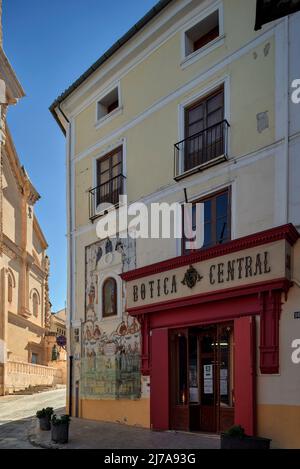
(205, 141)
(110, 182)
(202, 33)
(217, 226)
(108, 104)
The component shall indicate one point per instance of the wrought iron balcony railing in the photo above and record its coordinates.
(201, 150)
(107, 192)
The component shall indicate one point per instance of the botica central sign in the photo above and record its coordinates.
(241, 268)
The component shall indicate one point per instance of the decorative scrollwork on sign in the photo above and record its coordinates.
(191, 277)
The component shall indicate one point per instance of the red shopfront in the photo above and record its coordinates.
(199, 342)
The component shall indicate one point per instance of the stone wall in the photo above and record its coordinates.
(60, 367)
(21, 375)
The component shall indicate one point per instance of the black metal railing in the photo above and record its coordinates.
(201, 149)
(106, 193)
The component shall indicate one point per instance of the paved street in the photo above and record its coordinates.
(19, 429)
(89, 434)
(18, 412)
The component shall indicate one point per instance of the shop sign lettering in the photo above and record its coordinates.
(239, 268)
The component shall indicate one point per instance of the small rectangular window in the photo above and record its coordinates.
(216, 219)
(108, 103)
(202, 33)
(34, 358)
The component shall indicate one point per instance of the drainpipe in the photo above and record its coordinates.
(70, 253)
(70, 383)
(287, 126)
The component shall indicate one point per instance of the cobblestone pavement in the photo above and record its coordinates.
(17, 415)
(88, 434)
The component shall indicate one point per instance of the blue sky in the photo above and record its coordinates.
(50, 43)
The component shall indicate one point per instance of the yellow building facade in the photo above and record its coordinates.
(191, 105)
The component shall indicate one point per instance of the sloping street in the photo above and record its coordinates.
(18, 428)
(92, 434)
(17, 413)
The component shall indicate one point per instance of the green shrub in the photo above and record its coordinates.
(60, 420)
(236, 431)
(45, 412)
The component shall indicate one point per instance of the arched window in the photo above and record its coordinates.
(109, 298)
(35, 305)
(10, 289)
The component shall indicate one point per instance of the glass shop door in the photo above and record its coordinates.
(201, 378)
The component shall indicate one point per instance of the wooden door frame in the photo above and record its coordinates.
(231, 359)
(173, 375)
(202, 332)
(183, 409)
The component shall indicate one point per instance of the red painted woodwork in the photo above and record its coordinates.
(244, 373)
(179, 412)
(159, 397)
(239, 304)
(145, 344)
(287, 232)
(269, 331)
(261, 298)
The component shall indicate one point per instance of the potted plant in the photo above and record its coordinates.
(60, 428)
(44, 417)
(236, 438)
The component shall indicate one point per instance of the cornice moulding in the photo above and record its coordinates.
(287, 232)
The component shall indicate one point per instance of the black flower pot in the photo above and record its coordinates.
(45, 424)
(245, 442)
(60, 433)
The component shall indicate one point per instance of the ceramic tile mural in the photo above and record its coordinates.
(110, 360)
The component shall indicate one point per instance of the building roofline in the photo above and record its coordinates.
(14, 87)
(109, 53)
(18, 169)
(37, 228)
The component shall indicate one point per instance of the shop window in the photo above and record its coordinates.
(109, 298)
(217, 213)
(202, 33)
(202, 378)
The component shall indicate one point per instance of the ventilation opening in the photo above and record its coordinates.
(109, 103)
(202, 33)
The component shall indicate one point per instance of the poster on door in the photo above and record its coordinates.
(223, 382)
(207, 371)
(208, 379)
(208, 386)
